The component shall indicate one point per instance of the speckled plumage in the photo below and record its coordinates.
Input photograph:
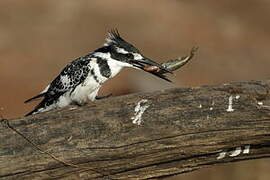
(81, 79)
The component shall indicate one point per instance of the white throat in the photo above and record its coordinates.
(115, 65)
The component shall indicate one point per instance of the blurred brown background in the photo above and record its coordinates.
(38, 38)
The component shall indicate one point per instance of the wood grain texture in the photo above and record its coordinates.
(182, 130)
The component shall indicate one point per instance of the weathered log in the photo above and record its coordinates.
(140, 136)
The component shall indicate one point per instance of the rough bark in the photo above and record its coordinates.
(181, 130)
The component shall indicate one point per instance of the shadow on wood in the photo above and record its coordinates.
(143, 135)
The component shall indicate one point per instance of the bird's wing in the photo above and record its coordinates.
(70, 77)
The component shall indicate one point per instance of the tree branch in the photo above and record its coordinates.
(141, 136)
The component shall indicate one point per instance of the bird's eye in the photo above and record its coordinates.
(130, 56)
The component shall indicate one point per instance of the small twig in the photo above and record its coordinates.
(5, 123)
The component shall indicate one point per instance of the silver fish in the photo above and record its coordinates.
(175, 64)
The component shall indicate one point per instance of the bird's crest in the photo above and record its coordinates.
(113, 37)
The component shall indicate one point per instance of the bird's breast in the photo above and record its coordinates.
(83, 90)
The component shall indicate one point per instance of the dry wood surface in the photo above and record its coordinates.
(141, 136)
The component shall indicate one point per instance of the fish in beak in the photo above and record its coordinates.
(151, 67)
(168, 67)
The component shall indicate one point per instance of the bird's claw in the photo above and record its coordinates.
(103, 97)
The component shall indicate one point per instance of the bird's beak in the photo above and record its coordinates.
(150, 66)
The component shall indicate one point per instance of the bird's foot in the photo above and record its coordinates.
(103, 97)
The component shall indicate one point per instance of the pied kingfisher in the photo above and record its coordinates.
(82, 78)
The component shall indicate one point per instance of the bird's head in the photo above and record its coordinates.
(128, 55)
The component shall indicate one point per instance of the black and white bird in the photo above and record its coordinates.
(82, 78)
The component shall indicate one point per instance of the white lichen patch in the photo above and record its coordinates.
(230, 108)
(236, 152)
(246, 150)
(139, 110)
(260, 103)
(212, 106)
(221, 155)
(70, 138)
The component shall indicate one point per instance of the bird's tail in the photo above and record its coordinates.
(32, 112)
(35, 97)
(44, 105)
(36, 109)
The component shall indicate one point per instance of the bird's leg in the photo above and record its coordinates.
(103, 97)
(78, 104)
